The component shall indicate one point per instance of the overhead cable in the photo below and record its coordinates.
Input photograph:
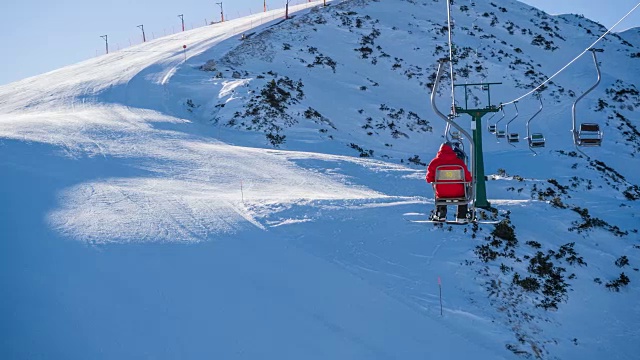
(575, 59)
(453, 95)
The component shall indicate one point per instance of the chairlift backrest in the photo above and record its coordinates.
(590, 127)
(450, 175)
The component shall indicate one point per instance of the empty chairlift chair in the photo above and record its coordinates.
(587, 134)
(511, 136)
(536, 140)
(494, 128)
(455, 135)
(491, 128)
(452, 135)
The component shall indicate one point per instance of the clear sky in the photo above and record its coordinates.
(606, 13)
(39, 36)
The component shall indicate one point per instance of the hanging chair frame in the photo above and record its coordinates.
(535, 140)
(587, 134)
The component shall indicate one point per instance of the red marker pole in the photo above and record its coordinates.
(440, 286)
(184, 50)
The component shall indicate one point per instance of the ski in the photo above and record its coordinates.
(451, 222)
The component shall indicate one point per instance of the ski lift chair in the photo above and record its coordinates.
(536, 140)
(455, 135)
(589, 135)
(511, 137)
(493, 127)
(501, 134)
(450, 175)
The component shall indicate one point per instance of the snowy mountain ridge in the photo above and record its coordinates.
(249, 198)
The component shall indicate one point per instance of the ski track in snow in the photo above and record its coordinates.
(194, 184)
(194, 189)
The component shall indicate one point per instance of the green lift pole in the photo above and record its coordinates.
(476, 125)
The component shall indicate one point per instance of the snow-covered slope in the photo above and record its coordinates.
(632, 35)
(249, 198)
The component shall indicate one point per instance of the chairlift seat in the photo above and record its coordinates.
(500, 134)
(590, 142)
(513, 137)
(492, 129)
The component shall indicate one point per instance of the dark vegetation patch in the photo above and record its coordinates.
(267, 111)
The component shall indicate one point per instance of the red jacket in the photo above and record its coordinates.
(446, 156)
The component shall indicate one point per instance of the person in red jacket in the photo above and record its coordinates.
(447, 156)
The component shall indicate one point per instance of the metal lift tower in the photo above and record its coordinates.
(476, 127)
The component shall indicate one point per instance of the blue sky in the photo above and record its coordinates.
(606, 14)
(39, 36)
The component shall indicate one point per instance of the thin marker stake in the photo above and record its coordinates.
(440, 287)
